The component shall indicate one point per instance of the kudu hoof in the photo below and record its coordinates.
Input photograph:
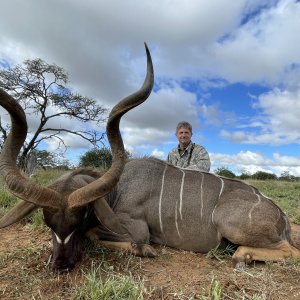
(240, 263)
(144, 250)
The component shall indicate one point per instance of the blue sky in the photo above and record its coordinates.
(231, 68)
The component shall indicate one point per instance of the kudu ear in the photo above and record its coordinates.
(107, 217)
(17, 213)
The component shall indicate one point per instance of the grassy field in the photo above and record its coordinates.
(25, 271)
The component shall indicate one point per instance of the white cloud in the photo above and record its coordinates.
(281, 108)
(267, 46)
(164, 109)
(136, 137)
(276, 122)
(70, 141)
(254, 161)
(184, 37)
(158, 154)
(243, 157)
(284, 160)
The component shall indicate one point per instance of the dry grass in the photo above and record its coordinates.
(26, 273)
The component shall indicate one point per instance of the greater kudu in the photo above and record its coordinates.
(196, 211)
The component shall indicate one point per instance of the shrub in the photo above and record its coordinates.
(261, 175)
(245, 175)
(97, 158)
(222, 171)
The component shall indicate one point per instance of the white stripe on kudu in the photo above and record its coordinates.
(65, 241)
(180, 204)
(57, 238)
(253, 207)
(176, 223)
(181, 193)
(222, 187)
(221, 191)
(201, 194)
(160, 198)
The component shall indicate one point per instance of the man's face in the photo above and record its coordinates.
(184, 136)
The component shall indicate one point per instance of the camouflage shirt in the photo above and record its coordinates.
(192, 157)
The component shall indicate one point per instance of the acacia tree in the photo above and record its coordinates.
(37, 85)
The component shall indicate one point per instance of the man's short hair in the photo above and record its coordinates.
(185, 125)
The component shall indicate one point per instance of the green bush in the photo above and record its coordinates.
(261, 175)
(97, 158)
(244, 176)
(222, 171)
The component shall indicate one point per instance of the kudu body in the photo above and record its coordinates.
(196, 211)
(147, 201)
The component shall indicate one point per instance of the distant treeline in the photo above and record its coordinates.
(259, 175)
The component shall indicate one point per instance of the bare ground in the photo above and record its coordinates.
(25, 271)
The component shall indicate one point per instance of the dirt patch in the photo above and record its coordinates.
(25, 271)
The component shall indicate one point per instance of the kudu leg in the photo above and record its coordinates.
(136, 240)
(245, 255)
(143, 250)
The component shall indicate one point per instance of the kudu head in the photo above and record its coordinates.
(67, 202)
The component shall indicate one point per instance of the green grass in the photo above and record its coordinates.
(101, 283)
(215, 290)
(221, 253)
(7, 200)
(36, 221)
(46, 177)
